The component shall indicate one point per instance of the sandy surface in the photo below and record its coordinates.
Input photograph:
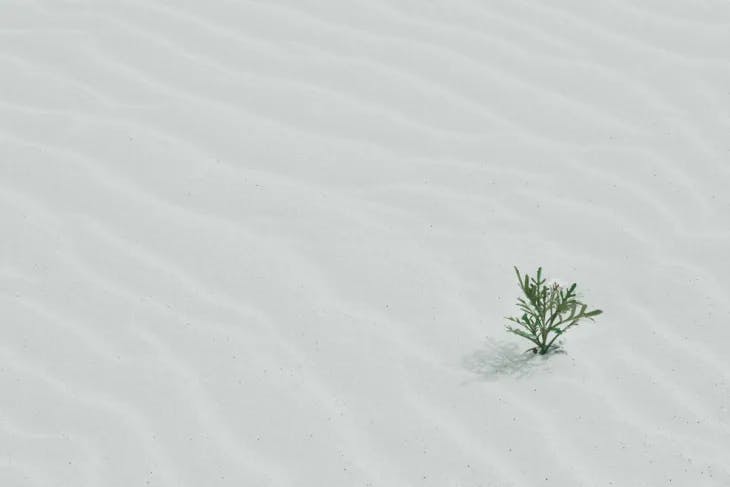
(270, 243)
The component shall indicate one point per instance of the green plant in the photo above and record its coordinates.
(548, 311)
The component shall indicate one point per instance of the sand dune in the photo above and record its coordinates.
(271, 243)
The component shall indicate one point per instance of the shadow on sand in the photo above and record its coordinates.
(500, 359)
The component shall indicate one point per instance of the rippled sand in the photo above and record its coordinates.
(252, 243)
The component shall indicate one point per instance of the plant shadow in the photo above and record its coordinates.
(502, 359)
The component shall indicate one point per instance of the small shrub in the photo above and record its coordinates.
(548, 311)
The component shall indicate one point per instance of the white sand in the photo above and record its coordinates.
(270, 243)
